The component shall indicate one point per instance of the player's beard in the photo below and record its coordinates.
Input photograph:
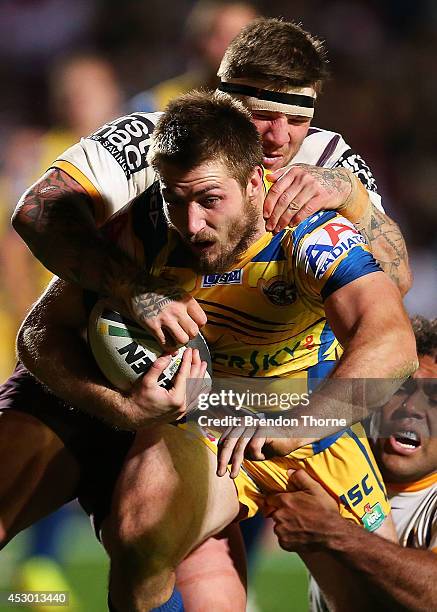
(240, 235)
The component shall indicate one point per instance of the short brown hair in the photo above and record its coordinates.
(203, 126)
(276, 53)
(425, 331)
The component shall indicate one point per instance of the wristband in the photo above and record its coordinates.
(358, 205)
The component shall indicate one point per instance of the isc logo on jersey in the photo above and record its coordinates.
(228, 278)
(327, 244)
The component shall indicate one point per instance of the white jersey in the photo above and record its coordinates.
(111, 164)
(414, 511)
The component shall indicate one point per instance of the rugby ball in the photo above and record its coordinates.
(125, 351)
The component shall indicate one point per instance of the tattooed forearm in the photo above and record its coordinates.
(152, 295)
(333, 180)
(388, 246)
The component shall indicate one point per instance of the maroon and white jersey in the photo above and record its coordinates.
(111, 164)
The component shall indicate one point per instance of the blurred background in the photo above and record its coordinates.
(67, 67)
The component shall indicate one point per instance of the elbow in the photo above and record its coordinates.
(22, 345)
(21, 221)
(409, 360)
(18, 220)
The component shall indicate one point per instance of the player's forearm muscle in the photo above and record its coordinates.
(379, 354)
(382, 234)
(388, 246)
(58, 356)
(396, 578)
(50, 344)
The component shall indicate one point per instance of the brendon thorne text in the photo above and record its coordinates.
(260, 420)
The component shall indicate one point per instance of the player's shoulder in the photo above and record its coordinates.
(127, 127)
(324, 240)
(321, 148)
(329, 149)
(323, 220)
(126, 141)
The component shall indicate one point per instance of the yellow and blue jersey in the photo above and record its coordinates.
(266, 316)
(266, 320)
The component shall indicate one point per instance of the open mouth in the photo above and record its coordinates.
(270, 160)
(405, 442)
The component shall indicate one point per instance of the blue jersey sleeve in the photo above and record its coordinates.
(329, 252)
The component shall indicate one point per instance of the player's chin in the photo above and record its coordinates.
(213, 264)
(398, 469)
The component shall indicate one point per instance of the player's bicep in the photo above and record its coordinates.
(56, 193)
(365, 299)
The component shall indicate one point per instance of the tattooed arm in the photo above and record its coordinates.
(51, 345)
(388, 245)
(55, 217)
(303, 190)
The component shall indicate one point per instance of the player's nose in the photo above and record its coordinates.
(415, 405)
(277, 133)
(195, 219)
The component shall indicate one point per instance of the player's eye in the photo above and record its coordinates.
(297, 121)
(261, 117)
(409, 387)
(210, 201)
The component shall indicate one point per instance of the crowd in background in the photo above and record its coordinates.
(67, 67)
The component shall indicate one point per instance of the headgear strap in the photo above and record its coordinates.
(290, 103)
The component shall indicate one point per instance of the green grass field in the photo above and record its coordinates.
(278, 581)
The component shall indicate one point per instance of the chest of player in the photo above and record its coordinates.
(257, 323)
(259, 297)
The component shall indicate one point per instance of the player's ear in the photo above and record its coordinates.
(255, 184)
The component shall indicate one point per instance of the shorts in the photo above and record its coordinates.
(98, 449)
(343, 464)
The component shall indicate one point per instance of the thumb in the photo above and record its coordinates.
(300, 480)
(292, 486)
(157, 368)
